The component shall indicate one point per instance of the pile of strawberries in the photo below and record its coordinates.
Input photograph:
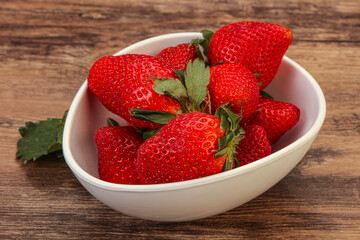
(194, 110)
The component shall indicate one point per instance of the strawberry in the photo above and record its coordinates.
(253, 146)
(123, 83)
(177, 57)
(275, 117)
(117, 148)
(235, 84)
(256, 45)
(189, 146)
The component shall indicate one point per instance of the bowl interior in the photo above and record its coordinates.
(291, 84)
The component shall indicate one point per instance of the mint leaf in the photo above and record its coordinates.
(197, 77)
(40, 138)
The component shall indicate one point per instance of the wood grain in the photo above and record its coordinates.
(46, 50)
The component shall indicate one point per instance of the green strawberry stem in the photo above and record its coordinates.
(234, 133)
(204, 43)
(231, 158)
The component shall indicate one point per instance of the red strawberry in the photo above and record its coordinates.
(117, 148)
(235, 84)
(177, 57)
(254, 146)
(256, 45)
(123, 83)
(275, 117)
(183, 149)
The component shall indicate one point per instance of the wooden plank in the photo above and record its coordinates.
(46, 50)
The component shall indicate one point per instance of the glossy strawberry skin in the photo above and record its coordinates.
(254, 146)
(235, 84)
(256, 45)
(123, 83)
(275, 117)
(183, 149)
(117, 147)
(177, 57)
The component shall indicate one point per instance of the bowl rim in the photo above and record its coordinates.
(83, 175)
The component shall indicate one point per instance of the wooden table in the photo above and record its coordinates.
(47, 48)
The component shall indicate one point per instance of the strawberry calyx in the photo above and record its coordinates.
(152, 116)
(265, 94)
(262, 92)
(234, 133)
(143, 132)
(172, 88)
(190, 90)
(197, 78)
(204, 43)
(112, 122)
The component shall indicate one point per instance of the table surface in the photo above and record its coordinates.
(47, 48)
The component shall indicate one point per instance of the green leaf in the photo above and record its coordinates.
(172, 88)
(197, 77)
(181, 74)
(148, 134)
(40, 138)
(54, 148)
(265, 94)
(207, 34)
(153, 116)
(218, 63)
(229, 162)
(225, 140)
(221, 152)
(204, 43)
(229, 120)
(112, 122)
(225, 123)
(196, 43)
(60, 128)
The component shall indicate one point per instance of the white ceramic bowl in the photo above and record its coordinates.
(199, 198)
